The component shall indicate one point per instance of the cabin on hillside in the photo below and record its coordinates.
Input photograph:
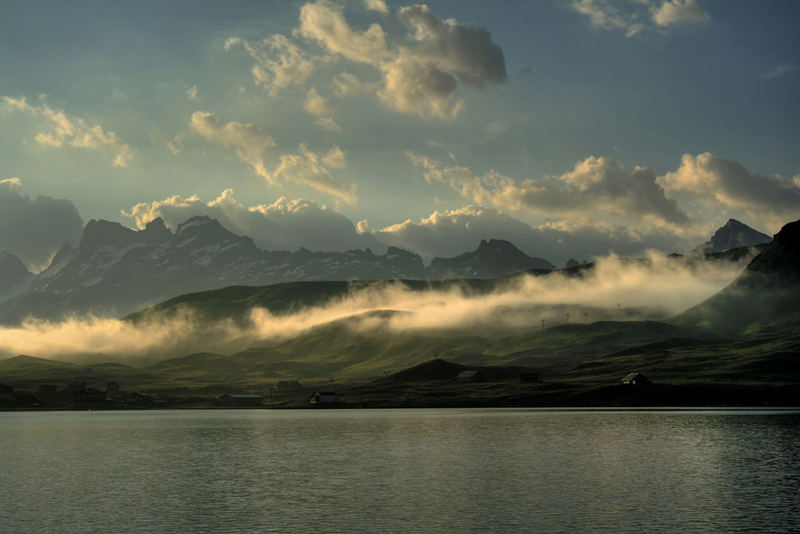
(240, 400)
(635, 379)
(323, 397)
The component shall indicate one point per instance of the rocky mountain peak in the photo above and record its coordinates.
(102, 233)
(733, 234)
(496, 247)
(156, 231)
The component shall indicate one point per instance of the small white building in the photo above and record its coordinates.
(323, 397)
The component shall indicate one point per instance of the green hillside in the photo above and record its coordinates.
(747, 336)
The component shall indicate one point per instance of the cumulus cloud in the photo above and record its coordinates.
(421, 70)
(279, 63)
(318, 105)
(247, 140)
(324, 22)
(594, 185)
(66, 130)
(193, 93)
(674, 12)
(376, 5)
(328, 123)
(313, 169)
(34, 229)
(282, 225)
(249, 143)
(452, 232)
(720, 184)
(635, 17)
(346, 84)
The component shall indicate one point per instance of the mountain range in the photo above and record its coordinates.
(116, 270)
(740, 345)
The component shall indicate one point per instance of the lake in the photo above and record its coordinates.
(446, 470)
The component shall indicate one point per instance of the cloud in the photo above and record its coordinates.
(421, 70)
(34, 229)
(279, 63)
(778, 72)
(175, 145)
(324, 22)
(117, 338)
(248, 141)
(451, 232)
(65, 130)
(327, 123)
(673, 12)
(654, 287)
(601, 14)
(282, 225)
(721, 184)
(346, 84)
(192, 93)
(318, 105)
(414, 86)
(312, 169)
(376, 5)
(635, 17)
(595, 185)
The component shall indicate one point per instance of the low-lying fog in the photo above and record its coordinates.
(615, 288)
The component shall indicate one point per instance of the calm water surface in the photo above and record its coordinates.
(400, 471)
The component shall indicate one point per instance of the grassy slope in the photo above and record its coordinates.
(761, 348)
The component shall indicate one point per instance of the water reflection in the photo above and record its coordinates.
(392, 470)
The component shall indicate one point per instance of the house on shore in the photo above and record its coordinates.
(323, 397)
(635, 379)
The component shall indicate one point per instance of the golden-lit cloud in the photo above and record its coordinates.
(278, 62)
(286, 224)
(421, 71)
(636, 17)
(67, 130)
(313, 169)
(595, 185)
(725, 185)
(656, 286)
(247, 140)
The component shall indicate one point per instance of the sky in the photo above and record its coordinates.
(573, 129)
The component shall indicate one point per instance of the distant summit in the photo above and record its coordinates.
(733, 235)
(491, 259)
